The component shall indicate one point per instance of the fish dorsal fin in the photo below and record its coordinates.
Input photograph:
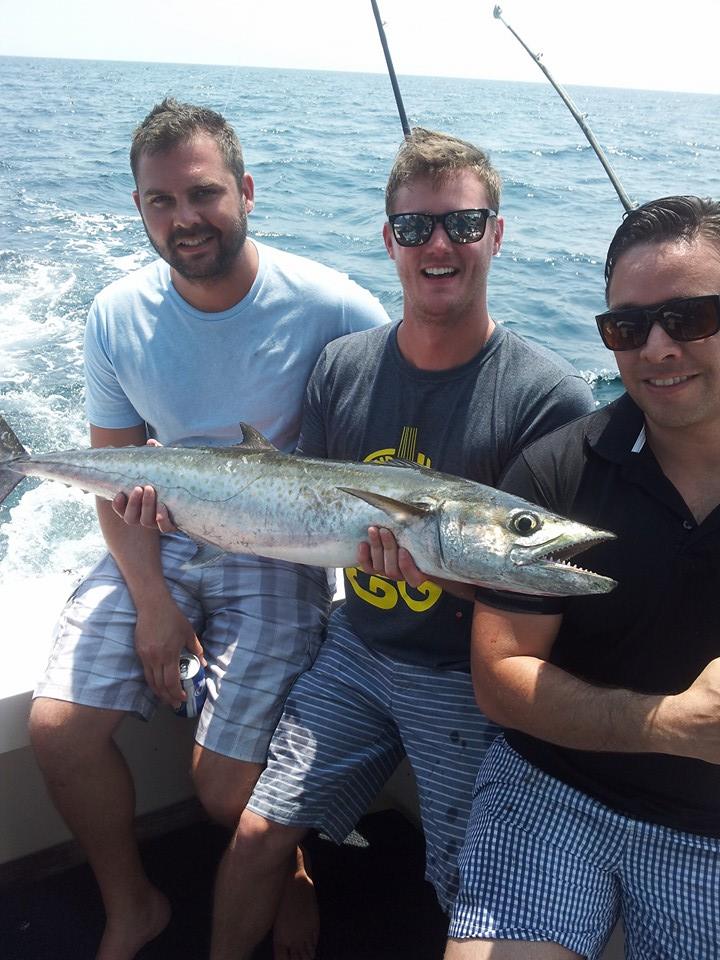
(254, 440)
(406, 464)
(398, 510)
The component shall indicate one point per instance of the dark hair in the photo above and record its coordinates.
(426, 153)
(171, 123)
(670, 219)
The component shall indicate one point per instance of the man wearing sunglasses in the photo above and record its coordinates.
(447, 389)
(602, 797)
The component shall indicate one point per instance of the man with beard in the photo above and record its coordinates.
(221, 329)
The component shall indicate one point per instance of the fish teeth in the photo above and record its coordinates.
(571, 566)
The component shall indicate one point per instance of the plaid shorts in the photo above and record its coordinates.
(348, 722)
(260, 623)
(545, 862)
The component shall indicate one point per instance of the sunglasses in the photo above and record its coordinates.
(462, 226)
(687, 319)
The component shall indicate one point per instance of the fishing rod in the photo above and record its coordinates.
(391, 70)
(624, 199)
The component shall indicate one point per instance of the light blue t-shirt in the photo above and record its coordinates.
(150, 356)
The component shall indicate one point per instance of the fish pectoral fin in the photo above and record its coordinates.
(399, 510)
(254, 440)
(207, 554)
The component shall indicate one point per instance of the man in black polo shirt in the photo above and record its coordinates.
(603, 796)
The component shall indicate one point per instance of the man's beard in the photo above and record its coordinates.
(229, 245)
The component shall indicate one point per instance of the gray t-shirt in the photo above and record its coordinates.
(364, 402)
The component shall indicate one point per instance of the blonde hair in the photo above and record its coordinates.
(427, 153)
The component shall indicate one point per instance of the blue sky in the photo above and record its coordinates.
(655, 44)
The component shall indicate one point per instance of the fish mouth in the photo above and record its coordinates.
(553, 556)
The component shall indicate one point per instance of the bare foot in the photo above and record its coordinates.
(125, 935)
(297, 923)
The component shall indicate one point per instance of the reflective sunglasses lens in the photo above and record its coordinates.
(691, 319)
(411, 229)
(684, 320)
(466, 226)
(624, 332)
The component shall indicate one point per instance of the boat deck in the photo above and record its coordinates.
(374, 902)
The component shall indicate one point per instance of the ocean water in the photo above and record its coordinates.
(319, 145)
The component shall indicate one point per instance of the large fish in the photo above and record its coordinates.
(251, 498)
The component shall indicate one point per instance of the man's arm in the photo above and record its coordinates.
(517, 688)
(162, 630)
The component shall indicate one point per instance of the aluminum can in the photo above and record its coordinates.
(192, 680)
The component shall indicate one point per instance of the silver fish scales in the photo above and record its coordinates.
(251, 498)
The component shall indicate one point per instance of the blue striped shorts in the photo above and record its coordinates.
(348, 722)
(260, 623)
(545, 862)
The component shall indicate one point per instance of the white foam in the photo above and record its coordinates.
(129, 262)
(604, 375)
(52, 531)
(30, 607)
(27, 299)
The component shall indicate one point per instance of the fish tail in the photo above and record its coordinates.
(10, 450)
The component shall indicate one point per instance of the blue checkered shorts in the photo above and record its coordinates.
(260, 623)
(545, 862)
(348, 722)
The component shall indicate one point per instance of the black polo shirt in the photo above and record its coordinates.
(654, 633)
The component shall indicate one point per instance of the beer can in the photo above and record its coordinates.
(192, 680)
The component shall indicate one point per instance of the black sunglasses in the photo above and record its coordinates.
(462, 226)
(690, 318)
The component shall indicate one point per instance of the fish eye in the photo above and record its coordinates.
(524, 522)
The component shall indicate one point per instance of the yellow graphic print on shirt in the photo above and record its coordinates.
(380, 592)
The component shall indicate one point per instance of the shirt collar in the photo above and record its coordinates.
(619, 435)
(640, 442)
